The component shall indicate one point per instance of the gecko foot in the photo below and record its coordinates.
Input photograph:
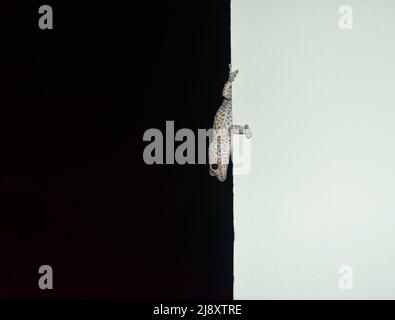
(247, 131)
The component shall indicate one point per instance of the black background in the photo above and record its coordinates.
(75, 192)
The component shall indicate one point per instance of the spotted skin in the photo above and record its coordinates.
(220, 148)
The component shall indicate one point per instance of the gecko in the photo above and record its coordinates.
(220, 148)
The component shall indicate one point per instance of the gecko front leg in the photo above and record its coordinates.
(237, 129)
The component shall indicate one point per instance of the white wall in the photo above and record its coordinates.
(321, 192)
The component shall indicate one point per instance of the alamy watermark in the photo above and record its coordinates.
(346, 277)
(46, 20)
(193, 147)
(45, 282)
(346, 20)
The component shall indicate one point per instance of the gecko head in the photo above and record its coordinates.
(219, 171)
(219, 152)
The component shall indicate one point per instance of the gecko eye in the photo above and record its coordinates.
(214, 166)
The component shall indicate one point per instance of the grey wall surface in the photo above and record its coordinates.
(320, 197)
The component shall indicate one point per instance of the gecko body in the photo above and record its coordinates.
(220, 148)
